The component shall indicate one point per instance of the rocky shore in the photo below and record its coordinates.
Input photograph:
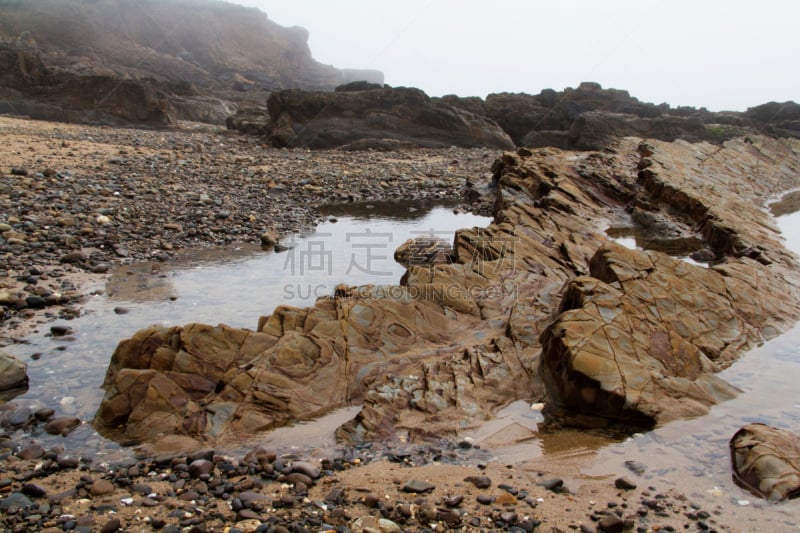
(404, 489)
(78, 200)
(81, 200)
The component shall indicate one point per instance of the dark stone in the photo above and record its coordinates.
(62, 425)
(418, 487)
(15, 499)
(554, 484)
(201, 467)
(624, 484)
(485, 499)
(35, 302)
(112, 525)
(481, 482)
(611, 524)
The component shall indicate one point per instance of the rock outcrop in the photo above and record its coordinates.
(540, 306)
(590, 117)
(150, 63)
(365, 112)
(210, 44)
(766, 461)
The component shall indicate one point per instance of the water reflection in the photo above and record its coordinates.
(233, 286)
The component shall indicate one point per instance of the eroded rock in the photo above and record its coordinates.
(540, 306)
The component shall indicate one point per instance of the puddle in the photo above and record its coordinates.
(233, 286)
(638, 238)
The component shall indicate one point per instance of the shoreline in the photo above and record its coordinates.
(383, 480)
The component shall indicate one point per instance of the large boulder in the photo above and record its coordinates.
(766, 461)
(329, 120)
(13, 376)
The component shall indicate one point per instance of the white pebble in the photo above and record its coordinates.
(743, 502)
(538, 407)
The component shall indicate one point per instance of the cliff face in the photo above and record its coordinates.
(207, 43)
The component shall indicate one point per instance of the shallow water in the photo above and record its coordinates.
(238, 285)
(232, 286)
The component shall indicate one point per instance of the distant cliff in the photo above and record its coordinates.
(208, 43)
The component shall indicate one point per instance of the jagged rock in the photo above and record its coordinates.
(590, 117)
(766, 461)
(539, 306)
(13, 376)
(329, 120)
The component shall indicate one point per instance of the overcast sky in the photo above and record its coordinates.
(728, 54)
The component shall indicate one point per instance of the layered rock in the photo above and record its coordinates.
(539, 306)
(365, 112)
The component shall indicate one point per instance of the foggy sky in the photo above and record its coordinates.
(729, 54)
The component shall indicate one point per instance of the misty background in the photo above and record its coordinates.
(722, 55)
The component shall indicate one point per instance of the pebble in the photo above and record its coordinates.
(481, 482)
(611, 524)
(553, 484)
(418, 487)
(62, 425)
(623, 483)
(101, 487)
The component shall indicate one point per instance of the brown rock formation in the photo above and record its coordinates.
(539, 306)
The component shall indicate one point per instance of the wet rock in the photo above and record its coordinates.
(44, 414)
(269, 239)
(766, 461)
(62, 425)
(13, 375)
(20, 417)
(553, 484)
(32, 451)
